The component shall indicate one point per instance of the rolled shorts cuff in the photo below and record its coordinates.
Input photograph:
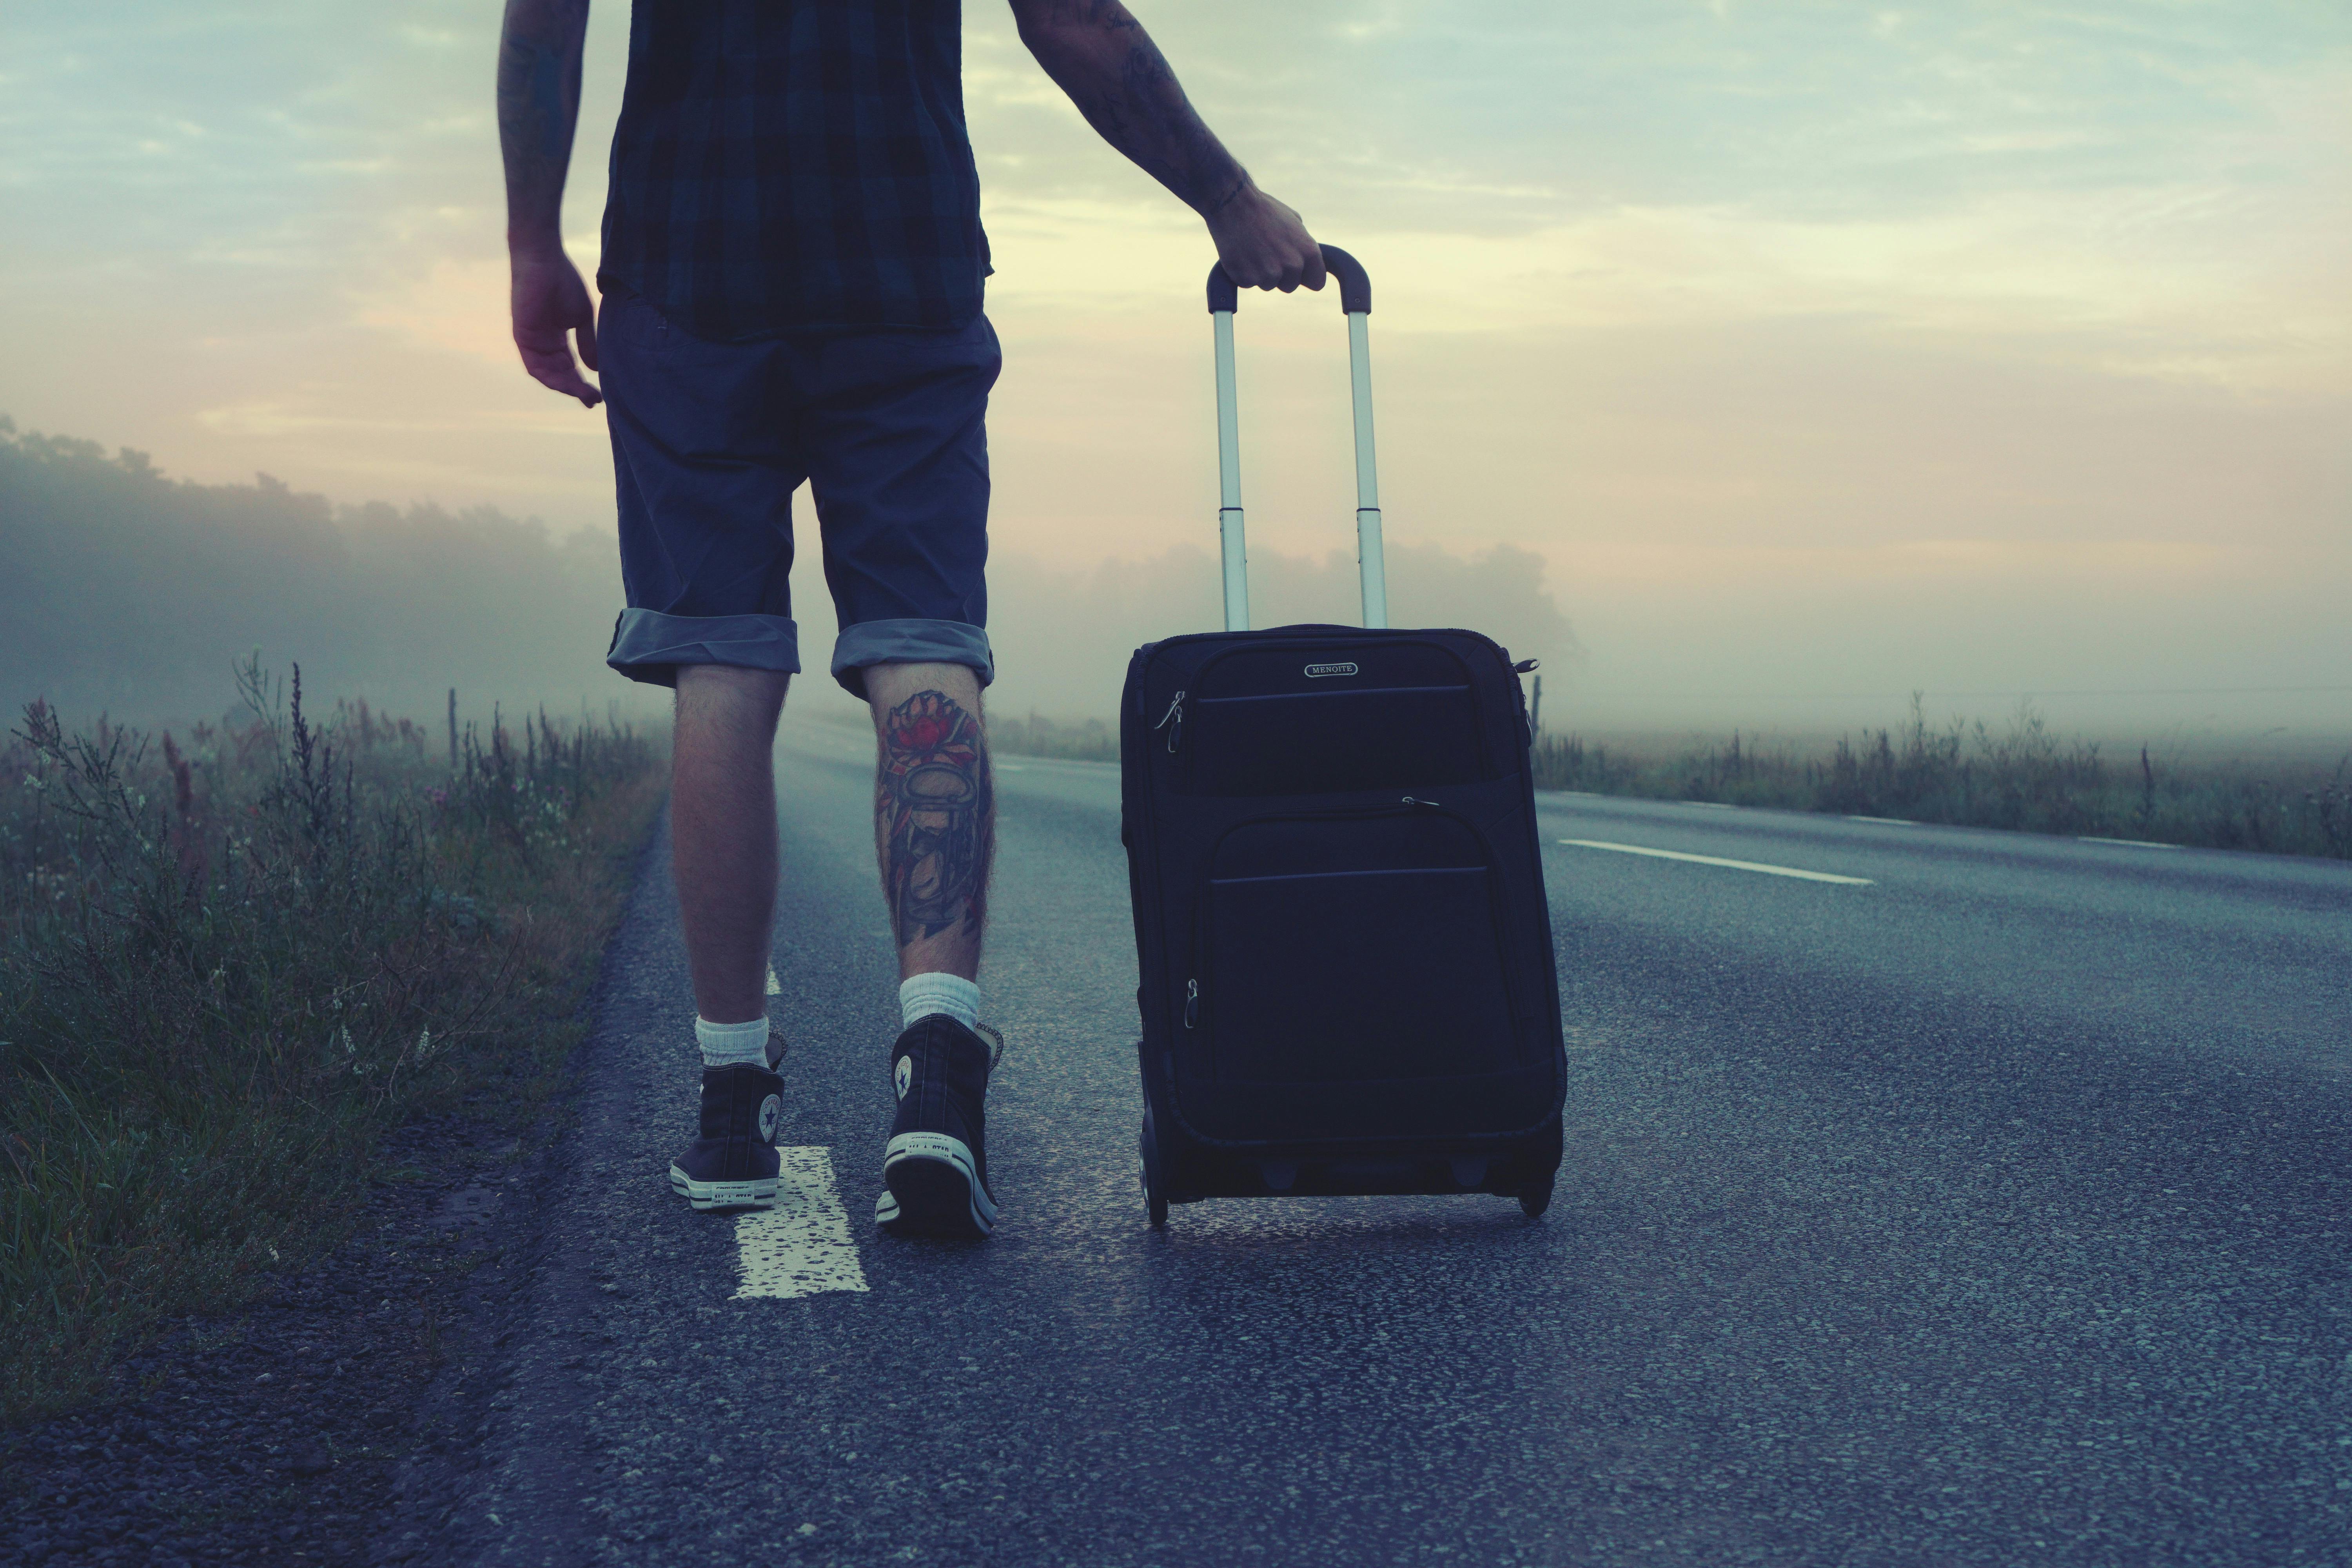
(648, 646)
(909, 642)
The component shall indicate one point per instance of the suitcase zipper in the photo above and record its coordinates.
(1172, 720)
(1191, 1003)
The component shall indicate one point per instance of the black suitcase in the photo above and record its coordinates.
(1348, 982)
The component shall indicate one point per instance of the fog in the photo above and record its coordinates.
(126, 591)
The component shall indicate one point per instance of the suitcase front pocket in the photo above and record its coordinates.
(1302, 717)
(1355, 947)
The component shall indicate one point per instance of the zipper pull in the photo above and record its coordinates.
(1191, 1003)
(1174, 717)
(1410, 801)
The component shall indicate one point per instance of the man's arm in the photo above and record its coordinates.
(538, 105)
(1102, 58)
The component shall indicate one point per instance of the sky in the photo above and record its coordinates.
(1812, 354)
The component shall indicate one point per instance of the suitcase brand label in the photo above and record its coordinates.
(1316, 671)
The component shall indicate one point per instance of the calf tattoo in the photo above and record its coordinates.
(933, 818)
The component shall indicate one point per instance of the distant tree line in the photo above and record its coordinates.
(127, 592)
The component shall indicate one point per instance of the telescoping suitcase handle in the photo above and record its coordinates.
(1356, 304)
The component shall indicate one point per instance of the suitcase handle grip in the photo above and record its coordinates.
(1355, 284)
(1356, 304)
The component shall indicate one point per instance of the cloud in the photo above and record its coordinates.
(460, 305)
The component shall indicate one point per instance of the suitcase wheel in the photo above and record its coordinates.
(1534, 1200)
(1155, 1191)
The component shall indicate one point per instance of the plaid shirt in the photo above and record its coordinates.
(788, 164)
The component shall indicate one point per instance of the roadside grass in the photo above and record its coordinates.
(2021, 777)
(228, 969)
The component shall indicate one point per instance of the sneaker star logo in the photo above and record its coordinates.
(906, 1075)
(770, 1110)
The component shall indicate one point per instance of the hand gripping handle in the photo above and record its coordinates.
(1355, 286)
(1356, 304)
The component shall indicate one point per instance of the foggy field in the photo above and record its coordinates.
(234, 956)
(126, 592)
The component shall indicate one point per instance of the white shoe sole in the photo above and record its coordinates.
(760, 1192)
(934, 1185)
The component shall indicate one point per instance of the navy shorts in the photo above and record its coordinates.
(711, 439)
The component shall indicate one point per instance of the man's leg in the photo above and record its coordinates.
(723, 855)
(898, 468)
(706, 559)
(935, 834)
(723, 833)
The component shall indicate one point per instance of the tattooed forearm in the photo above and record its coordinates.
(1121, 82)
(539, 106)
(934, 821)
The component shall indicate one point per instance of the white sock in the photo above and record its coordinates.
(923, 994)
(733, 1045)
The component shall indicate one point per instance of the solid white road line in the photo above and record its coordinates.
(1718, 860)
(1709, 805)
(1897, 821)
(801, 1247)
(2134, 843)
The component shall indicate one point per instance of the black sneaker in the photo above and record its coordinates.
(936, 1166)
(734, 1164)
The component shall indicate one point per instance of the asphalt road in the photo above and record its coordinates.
(1990, 1209)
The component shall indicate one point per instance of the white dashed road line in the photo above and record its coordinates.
(775, 986)
(801, 1247)
(1897, 821)
(1718, 860)
(2134, 843)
